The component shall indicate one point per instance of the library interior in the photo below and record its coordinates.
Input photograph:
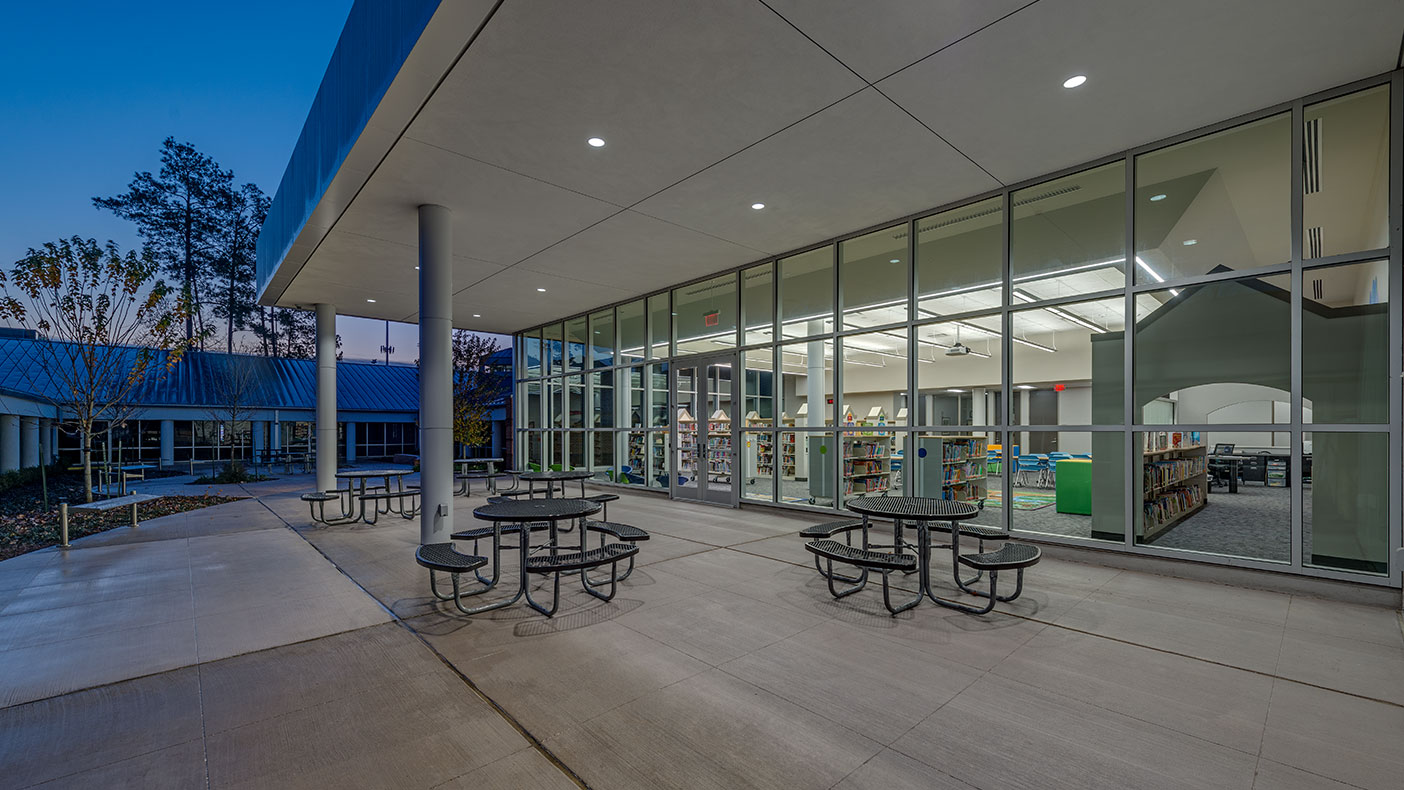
(981, 353)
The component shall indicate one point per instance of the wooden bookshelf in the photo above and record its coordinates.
(719, 450)
(1174, 482)
(954, 467)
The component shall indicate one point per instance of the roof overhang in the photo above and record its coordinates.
(837, 116)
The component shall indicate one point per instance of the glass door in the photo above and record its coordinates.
(704, 398)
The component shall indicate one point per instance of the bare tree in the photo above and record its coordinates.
(477, 387)
(106, 328)
(234, 389)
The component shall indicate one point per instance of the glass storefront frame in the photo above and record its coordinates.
(1003, 429)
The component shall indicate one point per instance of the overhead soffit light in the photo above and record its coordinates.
(542, 290)
(1074, 81)
(757, 206)
(1025, 387)
(1155, 198)
(596, 142)
(372, 301)
(1190, 242)
(475, 315)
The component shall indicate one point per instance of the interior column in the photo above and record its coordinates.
(326, 397)
(435, 374)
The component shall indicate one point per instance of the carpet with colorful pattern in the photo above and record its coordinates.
(1022, 501)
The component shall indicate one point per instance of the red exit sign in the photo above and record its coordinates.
(712, 318)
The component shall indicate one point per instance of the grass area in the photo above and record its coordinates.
(26, 527)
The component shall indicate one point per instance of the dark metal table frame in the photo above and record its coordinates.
(460, 466)
(551, 478)
(551, 511)
(353, 504)
(919, 511)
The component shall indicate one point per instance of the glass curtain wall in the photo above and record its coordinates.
(1191, 349)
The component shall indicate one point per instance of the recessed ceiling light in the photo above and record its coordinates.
(955, 390)
(1024, 387)
(542, 290)
(596, 142)
(757, 206)
(475, 315)
(416, 268)
(1074, 81)
(1191, 242)
(895, 260)
(372, 301)
(1154, 198)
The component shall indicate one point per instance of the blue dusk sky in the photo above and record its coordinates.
(92, 88)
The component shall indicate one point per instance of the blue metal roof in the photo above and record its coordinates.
(280, 383)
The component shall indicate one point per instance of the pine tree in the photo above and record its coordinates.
(239, 215)
(175, 212)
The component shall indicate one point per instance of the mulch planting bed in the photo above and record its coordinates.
(26, 527)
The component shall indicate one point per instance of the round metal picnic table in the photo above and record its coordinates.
(525, 513)
(919, 511)
(460, 464)
(551, 478)
(356, 492)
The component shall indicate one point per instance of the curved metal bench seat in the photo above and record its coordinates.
(317, 508)
(603, 498)
(883, 562)
(863, 558)
(831, 528)
(566, 561)
(618, 531)
(1010, 556)
(480, 533)
(445, 558)
(971, 531)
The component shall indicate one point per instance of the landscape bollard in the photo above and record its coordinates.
(134, 519)
(63, 524)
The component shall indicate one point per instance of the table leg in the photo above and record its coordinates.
(521, 583)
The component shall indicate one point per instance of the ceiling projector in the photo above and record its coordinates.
(958, 350)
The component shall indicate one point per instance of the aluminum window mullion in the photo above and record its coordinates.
(1006, 366)
(1396, 327)
(1269, 270)
(1131, 460)
(1296, 435)
(913, 299)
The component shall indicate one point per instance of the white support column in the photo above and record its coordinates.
(326, 397)
(29, 442)
(275, 436)
(167, 443)
(54, 442)
(435, 373)
(9, 442)
(350, 442)
(46, 441)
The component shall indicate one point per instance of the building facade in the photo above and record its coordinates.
(1191, 348)
(1136, 293)
(194, 414)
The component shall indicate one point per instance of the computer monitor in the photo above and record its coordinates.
(1223, 449)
